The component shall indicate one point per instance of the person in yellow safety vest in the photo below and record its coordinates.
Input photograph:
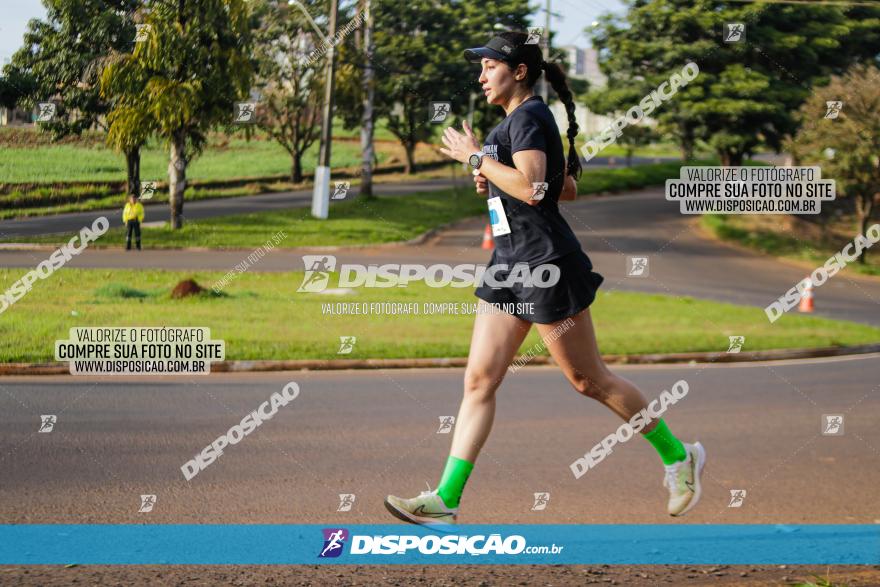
(132, 216)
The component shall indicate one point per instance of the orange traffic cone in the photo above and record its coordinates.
(488, 242)
(806, 304)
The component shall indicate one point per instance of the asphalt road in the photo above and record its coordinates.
(371, 433)
(200, 209)
(374, 432)
(72, 222)
(682, 260)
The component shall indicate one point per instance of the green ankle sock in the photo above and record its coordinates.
(455, 475)
(670, 448)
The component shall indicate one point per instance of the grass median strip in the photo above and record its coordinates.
(261, 316)
(766, 236)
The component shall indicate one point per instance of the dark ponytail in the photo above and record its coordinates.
(534, 61)
(554, 74)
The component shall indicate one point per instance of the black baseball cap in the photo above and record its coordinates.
(498, 48)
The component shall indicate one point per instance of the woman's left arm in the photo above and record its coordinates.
(569, 188)
(531, 165)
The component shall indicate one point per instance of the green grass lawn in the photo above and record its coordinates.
(261, 316)
(741, 230)
(616, 179)
(240, 158)
(655, 150)
(380, 131)
(42, 161)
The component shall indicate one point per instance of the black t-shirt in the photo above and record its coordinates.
(537, 233)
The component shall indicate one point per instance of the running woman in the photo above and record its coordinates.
(520, 154)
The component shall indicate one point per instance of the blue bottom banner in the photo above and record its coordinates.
(221, 544)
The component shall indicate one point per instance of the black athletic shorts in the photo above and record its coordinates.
(575, 290)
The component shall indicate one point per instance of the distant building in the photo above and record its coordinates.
(584, 64)
(576, 58)
(15, 117)
(589, 123)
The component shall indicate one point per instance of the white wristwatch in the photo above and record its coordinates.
(476, 159)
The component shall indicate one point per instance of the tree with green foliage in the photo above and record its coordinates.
(129, 121)
(635, 137)
(418, 59)
(61, 61)
(846, 147)
(290, 78)
(185, 78)
(415, 64)
(747, 92)
(14, 87)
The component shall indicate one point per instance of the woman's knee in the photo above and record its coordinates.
(596, 384)
(480, 384)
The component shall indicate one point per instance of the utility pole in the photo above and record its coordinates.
(321, 193)
(366, 189)
(545, 87)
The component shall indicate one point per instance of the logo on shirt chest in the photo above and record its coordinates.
(491, 151)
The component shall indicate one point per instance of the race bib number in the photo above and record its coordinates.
(497, 217)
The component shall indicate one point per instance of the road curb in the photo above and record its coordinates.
(57, 368)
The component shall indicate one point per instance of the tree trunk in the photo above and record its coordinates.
(296, 172)
(864, 207)
(133, 171)
(687, 153)
(629, 157)
(686, 142)
(410, 149)
(366, 188)
(730, 158)
(177, 179)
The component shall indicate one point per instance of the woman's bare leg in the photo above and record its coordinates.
(494, 342)
(496, 338)
(577, 354)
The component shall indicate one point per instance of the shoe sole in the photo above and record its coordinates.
(409, 518)
(698, 489)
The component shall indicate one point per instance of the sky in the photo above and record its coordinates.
(574, 16)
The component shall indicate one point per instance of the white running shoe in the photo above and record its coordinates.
(683, 480)
(427, 509)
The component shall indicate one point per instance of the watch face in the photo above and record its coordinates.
(474, 160)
